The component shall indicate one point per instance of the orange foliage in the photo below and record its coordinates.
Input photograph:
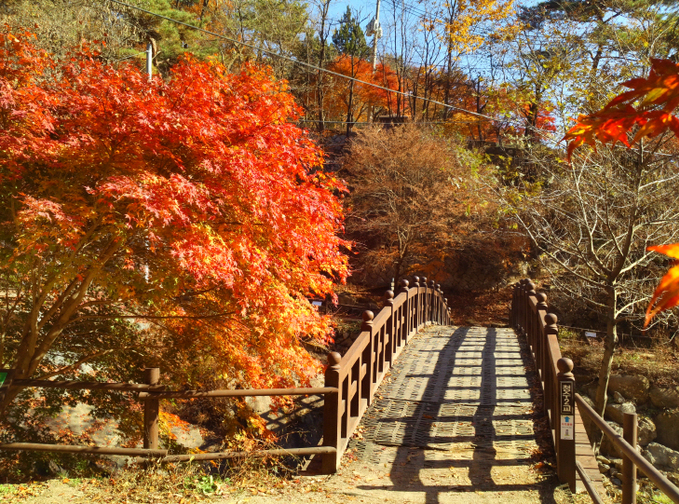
(657, 96)
(337, 98)
(190, 207)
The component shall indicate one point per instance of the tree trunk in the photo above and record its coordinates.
(610, 344)
(351, 103)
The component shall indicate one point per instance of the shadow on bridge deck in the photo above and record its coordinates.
(454, 422)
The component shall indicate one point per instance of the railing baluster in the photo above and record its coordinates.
(369, 362)
(331, 417)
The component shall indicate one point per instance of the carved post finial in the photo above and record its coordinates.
(334, 359)
(404, 285)
(565, 367)
(416, 281)
(530, 288)
(368, 317)
(551, 319)
(389, 298)
(542, 300)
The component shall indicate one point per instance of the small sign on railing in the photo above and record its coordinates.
(567, 428)
(567, 398)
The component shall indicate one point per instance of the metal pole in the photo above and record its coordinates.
(149, 60)
(377, 35)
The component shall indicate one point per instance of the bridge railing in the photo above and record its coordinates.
(530, 318)
(357, 374)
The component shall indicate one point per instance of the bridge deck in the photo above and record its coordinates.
(454, 421)
(456, 415)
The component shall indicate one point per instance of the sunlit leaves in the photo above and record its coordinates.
(190, 207)
(666, 294)
(644, 111)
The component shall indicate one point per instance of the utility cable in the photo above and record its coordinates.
(302, 63)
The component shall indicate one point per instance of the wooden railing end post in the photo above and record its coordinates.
(331, 417)
(564, 427)
(151, 410)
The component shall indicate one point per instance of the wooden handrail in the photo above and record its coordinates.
(363, 367)
(630, 455)
(358, 373)
(530, 318)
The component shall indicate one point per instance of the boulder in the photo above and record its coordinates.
(607, 446)
(634, 388)
(660, 455)
(618, 398)
(646, 431)
(667, 426)
(188, 436)
(664, 397)
(616, 411)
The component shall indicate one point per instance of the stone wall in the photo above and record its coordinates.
(657, 411)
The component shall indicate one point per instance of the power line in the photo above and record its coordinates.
(302, 63)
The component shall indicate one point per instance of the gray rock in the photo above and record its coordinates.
(188, 436)
(630, 387)
(607, 446)
(603, 460)
(617, 463)
(616, 412)
(603, 468)
(646, 431)
(259, 404)
(664, 397)
(616, 481)
(660, 455)
(667, 426)
(618, 398)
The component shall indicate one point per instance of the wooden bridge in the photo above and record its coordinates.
(430, 409)
(443, 408)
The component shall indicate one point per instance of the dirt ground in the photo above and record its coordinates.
(355, 482)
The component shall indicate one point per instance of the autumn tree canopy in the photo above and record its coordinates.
(176, 223)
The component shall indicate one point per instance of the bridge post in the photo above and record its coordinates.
(522, 307)
(369, 358)
(564, 427)
(332, 426)
(515, 302)
(532, 322)
(425, 300)
(438, 303)
(542, 355)
(405, 322)
(418, 302)
(548, 374)
(390, 336)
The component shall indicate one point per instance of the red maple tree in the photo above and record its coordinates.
(179, 223)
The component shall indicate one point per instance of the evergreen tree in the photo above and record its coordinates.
(349, 40)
